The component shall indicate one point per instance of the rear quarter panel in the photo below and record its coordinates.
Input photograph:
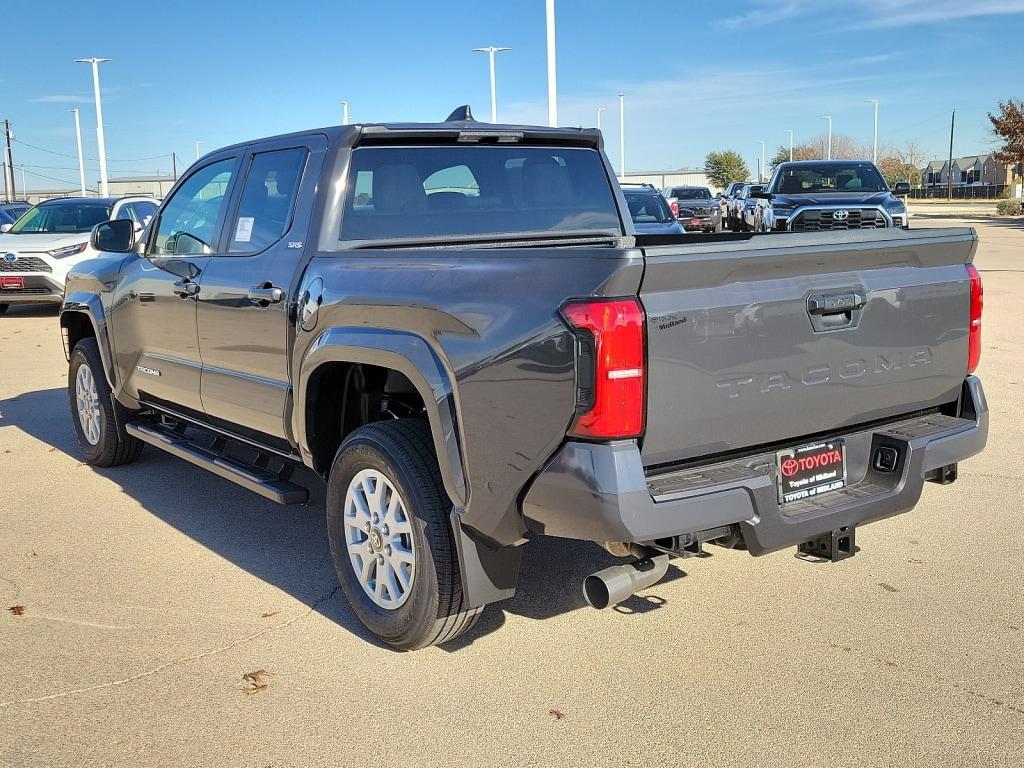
(491, 316)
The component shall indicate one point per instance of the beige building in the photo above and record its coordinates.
(156, 187)
(681, 177)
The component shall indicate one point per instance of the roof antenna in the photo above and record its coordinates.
(462, 114)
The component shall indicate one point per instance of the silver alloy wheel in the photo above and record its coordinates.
(378, 534)
(88, 403)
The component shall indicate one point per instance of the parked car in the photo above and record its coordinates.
(454, 325)
(748, 208)
(690, 203)
(9, 212)
(650, 211)
(38, 250)
(728, 206)
(816, 195)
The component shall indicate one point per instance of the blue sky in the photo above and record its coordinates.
(698, 76)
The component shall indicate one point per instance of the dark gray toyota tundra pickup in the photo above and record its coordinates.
(455, 325)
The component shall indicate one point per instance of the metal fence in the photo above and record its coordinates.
(974, 192)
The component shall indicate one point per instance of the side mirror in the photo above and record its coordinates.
(901, 188)
(115, 236)
(5, 227)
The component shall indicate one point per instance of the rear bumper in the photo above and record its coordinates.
(600, 492)
(706, 222)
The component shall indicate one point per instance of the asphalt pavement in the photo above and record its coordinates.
(150, 591)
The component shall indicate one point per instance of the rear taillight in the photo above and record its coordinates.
(675, 208)
(610, 367)
(974, 334)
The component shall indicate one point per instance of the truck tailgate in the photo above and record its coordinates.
(780, 337)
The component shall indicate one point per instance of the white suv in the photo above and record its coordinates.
(39, 249)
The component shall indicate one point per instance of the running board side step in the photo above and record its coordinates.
(254, 477)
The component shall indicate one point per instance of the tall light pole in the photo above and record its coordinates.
(102, 146)
(599, 111)
(790, 132)
(491, 50)
(552, 85)
(829, 118)
(622, 136)
(874, 151)
(81, 158)
(344, 113)
(760, 163)
(197, 149)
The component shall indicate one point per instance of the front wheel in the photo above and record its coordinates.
(101, 437)
(391, 538)
(3, 308)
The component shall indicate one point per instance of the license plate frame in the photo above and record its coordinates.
(811, 470)
(12, 283)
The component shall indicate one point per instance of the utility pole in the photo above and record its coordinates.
(491, 50)
(174, 165)
(104, 190)
(829, 118)
(949, 168)
(874, 152)
(790, 132)
(344, 113)
(622, 136)
(12, 194)
(760, 163)
(24, 183)
(552, 85)
(599, 111)
(197, 149)
(81, 157)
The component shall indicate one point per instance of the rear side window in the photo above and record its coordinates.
(435, 193)
(268, 199)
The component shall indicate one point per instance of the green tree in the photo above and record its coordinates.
(1008, 125)
(725, 167)
(781, 156)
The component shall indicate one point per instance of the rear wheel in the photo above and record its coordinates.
(101, 437)
(3, 308)
(391, 538)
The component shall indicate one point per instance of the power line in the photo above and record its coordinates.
(92, 159)
(51, 178)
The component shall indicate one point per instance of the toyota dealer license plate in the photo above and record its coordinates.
(12, 283)
(811, 470)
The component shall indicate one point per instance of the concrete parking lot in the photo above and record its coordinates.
(149, 591)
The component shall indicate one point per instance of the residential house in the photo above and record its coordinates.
(969, 171)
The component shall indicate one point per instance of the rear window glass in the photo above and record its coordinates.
(647, 208)
(437, 192)
(691, 193)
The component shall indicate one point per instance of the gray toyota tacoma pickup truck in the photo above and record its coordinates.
(455, 326)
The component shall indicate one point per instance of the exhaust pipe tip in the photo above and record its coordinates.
(596, 591)
(613, 585)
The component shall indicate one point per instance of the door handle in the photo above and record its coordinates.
(834, 303)
(186, 288)
(266, 294)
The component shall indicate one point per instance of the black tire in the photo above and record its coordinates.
(115, 446)
(434, 611)
(3, 308)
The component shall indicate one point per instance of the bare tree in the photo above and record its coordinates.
(843, 148)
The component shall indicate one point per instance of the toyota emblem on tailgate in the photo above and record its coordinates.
(841, 215)
(10, 257)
